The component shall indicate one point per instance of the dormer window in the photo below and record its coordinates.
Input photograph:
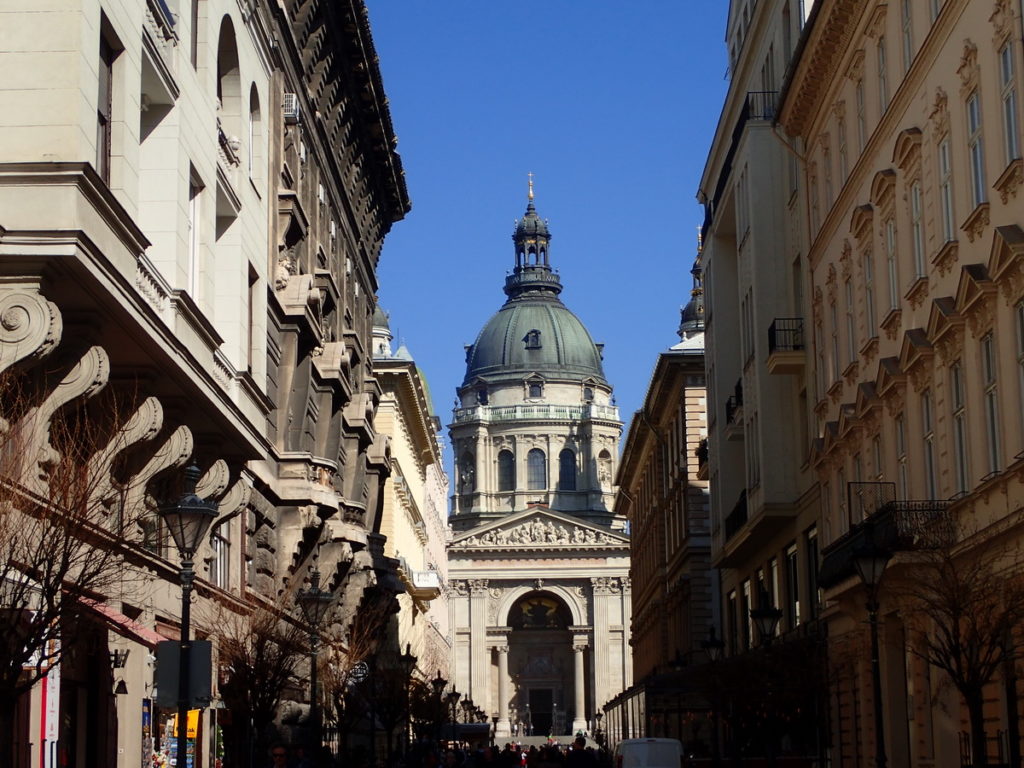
(588, 394)
(532, 339)
(481, 396)
(535, 388)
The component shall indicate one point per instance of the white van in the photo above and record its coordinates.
(649, 753)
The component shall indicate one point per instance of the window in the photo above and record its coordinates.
(506, 471)
(851, 326)
(588, 394)
(532, 339)
(916, 230)
(988, 373)
(194, 35)
(928, 445)
(891, 267)
(253, 296)
(747, 633)
(220, 563)
(871, 320)
(105, 106)
(732, 623)
(907, 35)
(535, 388)
(862, 123)
(567, 470)
(936, 6)
(946, 191)
(482, 398)
(883, 78)
(841, 141)
(195, 192)
(813, 598)
(876, 457)
(976, 150)
(536, 470)
(958, 402)
(255, 145)
(792, 586)
(901, 456)
(1008, 94)
(826, 164)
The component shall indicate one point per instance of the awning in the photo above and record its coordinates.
(123, 625)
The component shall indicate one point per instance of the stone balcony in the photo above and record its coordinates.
(541, 412)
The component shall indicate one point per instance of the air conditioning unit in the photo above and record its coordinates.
(292, 113)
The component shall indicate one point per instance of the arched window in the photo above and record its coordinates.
(506, 471)
(229, 86)
(567, 470)
(536, 470)
(255, 136)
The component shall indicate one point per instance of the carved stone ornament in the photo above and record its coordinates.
(974, 225)
(477, 586)
(946, 257)
(539, 533)
(856, 69)
(606, 585)
(144, 424)
(939, 116)
(876, 23)
(459, 587)
(30, 326)
(968, 69)
(1002, 22)
(981, 316)
(845, 260)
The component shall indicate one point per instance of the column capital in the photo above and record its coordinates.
(501, 648)
(477, 586)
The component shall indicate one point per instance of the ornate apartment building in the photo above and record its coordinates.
(907, 118)
(872, 405)
(193, 197)
(415, 501)
(663, 491)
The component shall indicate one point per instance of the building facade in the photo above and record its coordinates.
(415, 497)
(539, 561)
(764, 494)
(662, 490)
(907, 116)
(194, 196)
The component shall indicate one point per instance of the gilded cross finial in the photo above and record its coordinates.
(530, 176)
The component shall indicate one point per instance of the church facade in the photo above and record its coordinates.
(538, 562)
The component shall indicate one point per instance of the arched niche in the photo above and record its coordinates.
(572, 602)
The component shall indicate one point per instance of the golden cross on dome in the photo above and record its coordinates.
(530, 176)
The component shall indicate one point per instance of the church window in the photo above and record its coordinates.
(536, 470)
(588, 394)
(567, 470)
(506, 471)
(481, 396)
(532, 339)
(535, 388)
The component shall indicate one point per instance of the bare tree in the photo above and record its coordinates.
(62, 526)
(259, 653)
(964, 608)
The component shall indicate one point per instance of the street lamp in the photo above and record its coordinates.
(437, 685)
(766, 618)
(713, 647)
(408, 662)
(453, 701)
(870, 561)
(598, 733)
(188, 521)
(314, 604)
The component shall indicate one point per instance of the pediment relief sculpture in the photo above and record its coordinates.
(538, 532)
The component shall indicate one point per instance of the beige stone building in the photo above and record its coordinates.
(763, 493)
(193, 197)
(415, 499)
(906, 119)
(539, 561)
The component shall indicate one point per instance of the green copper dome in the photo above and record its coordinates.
(533, 332)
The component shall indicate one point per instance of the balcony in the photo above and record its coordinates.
(786, 346)
(897, 526)
(540, 412)
(734, 413)
(748, 526)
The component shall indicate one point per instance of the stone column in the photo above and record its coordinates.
(579, 719)
(503, 729)
(601, 656)
(479, 655)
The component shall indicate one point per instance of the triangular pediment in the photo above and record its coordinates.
(539, 528)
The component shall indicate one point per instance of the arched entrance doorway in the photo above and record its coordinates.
(541, 664)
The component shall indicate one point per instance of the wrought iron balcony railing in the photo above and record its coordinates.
(786, 334)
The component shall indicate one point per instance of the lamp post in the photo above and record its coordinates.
(188, 521)
(766, 618)
(314, 604)
(713, 647)
(453, 701)
(598, 733)
(438, 684)
(870, 561)
(408, 662)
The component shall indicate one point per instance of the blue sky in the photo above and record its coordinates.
(611, 105)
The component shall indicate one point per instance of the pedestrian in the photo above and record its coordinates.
(278, 756)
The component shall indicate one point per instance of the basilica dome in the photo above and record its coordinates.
(533, 332)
